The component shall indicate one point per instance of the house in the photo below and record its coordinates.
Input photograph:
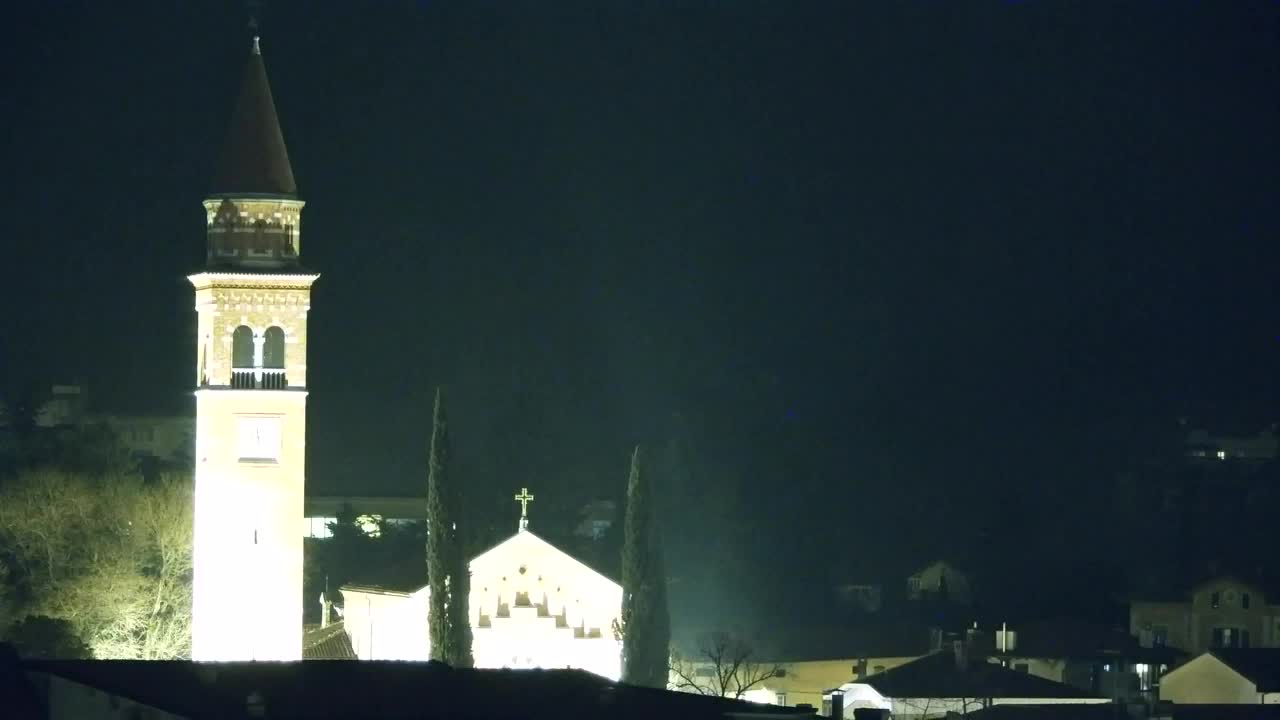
(952, 682)
(370, 511)
(597, 517)
(814, 658)
(1226, 675)
(181, 690)
(1223, 612)
(941, 580)
(1097, 658)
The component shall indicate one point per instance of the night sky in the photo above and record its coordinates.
(882, 267)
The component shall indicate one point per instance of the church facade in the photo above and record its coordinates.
(531, 606)
(252, 301)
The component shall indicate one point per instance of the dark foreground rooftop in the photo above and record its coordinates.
(353, 689)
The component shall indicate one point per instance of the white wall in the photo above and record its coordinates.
(1206, 679)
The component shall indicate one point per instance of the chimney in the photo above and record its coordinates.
(962, 655)
(325, 607)
(861, 668)
(837, 704)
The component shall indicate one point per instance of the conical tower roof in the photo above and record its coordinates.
(254, 160)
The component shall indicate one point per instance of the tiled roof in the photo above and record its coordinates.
(328, 643)
(939, 675)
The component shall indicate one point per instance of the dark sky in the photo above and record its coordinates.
(879, 265)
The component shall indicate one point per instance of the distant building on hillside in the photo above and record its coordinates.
(1224, 612)
(370, 511)
(597, 517)
(1208, 446)
(942, 580)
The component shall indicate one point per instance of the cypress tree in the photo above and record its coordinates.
(645, 626)
(447, 622)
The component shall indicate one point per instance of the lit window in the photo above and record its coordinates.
(1215, 601)
(1222, 454)
(781, 699)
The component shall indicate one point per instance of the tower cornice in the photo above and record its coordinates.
(253, 281)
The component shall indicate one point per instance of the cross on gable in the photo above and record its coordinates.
(524, 498)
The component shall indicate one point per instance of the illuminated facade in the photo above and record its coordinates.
(531, 606)
(251, 376)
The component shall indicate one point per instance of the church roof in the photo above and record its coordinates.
(254, 160)
(327, 643)
(528, 537)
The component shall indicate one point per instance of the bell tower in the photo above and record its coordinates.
(252, 300)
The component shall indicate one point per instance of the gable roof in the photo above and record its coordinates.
(327, 643)
(938, 675)
(525, 536)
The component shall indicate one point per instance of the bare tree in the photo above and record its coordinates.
(724, 665)
(112, 557)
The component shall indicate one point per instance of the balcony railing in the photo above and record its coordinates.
(259, 379)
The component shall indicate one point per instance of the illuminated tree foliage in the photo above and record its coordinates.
(110, 557)
(645, 628)
(447, 617)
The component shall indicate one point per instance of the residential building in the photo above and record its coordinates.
(813, 659)
(167, 438)
(1226, 675)
(942, 580)
(1099, 659)
(1224, 612)
(370, 511)
(1258, 447)
(949, 681)
(596, 517)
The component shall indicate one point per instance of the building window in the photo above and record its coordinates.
(1215, 600)
(1244, 600)
(1230, 637)
(1159, 636)
(781, 699)
(273, 348)
(242, 347)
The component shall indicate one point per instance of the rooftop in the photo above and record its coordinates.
(391, 690)
(939, 675)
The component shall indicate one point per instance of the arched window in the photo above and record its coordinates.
(273, 348)
(242, 347)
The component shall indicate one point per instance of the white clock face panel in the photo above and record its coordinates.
(258, 438)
